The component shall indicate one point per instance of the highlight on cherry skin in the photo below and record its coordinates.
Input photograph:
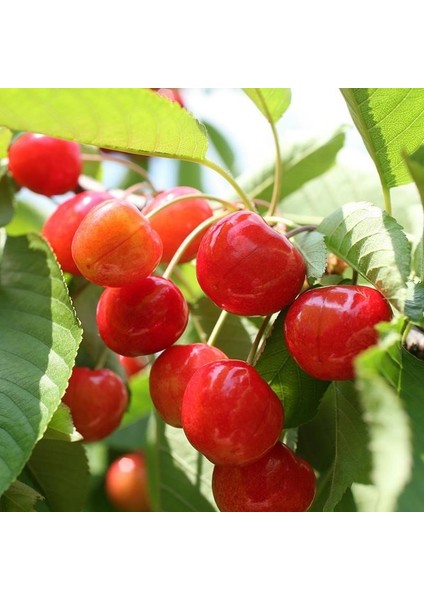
(115, 245)
(279, 481)
(326, 328)
(59, 229)
(126, 483)
(175, 222)
(97, 400)
(44, 164)
(230, 414)
(247, 268)
(170, 374)
(142, 318)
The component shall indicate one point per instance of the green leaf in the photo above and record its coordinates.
(7, 199)
(390, 121)
(221, 145)
(61, 426)
(338, 437)
(130, 120)
(19, 498)
(5, 137)
(272, 102)
(60, 470)
(414, 305)
(38, 345)
(388, 381)
(314, 251)
(179, 476)
(299, 392)
(303, 161)
(373, 243)
(29, 215)
(415, 164)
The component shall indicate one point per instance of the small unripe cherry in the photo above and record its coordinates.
(115, 245)
(44, 164)
(127, 483)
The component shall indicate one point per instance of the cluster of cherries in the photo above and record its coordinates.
(227, 411)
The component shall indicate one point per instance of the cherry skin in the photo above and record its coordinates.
(170, 374)
(176, 222)
(115, 245)
(133, 364)
(172, 94)
(327, 327)
(280, 481)
(142, 318)
(230, 414)
(97, 400)
(60, 227)
(247, 268)
(44, 164)
(126, 483)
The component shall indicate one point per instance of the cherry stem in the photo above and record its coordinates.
(101, 361)
(407, 328)
(249, 205)
(120, 161)
(304, 219)
(188, 240)
(255, 345)
(355, 276)
(282, 220)
(157, 210)
(142, 187)
(301, 229)
(277, 173)
(217, 328)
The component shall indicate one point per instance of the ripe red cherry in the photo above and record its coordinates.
(115, 245)
(230, 414)
(142, 318)
(280, 481)
(133, 364)
(173, 224)
(171, 373)
(327, 327)
(44, 164)
(126, 483)
(246, 268)
(60, 227)
(97, 400)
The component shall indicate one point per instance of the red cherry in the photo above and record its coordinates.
(133, 364)
(115, 245)
(171, 373)
(126, 483)
(44, 164)
(280, 481)
(97, 400)
(60, 227)
(142, 318)
(175, 223)
(327, 327)
(246, 268)
(230, 414)
(171, 93)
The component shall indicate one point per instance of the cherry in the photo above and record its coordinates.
(230, 414)
(115, 245)
(60, 227)
(142, 318)
(247, 268)
(171, 373)
(176, 222)
(44, 164)
(97, 400)
(280, 481)
(126, 483)
(172, 94)
(327, 327)
(133, 364)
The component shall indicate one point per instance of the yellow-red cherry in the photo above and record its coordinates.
(44, 164)
(175, 222)
(142, 318)
(172, 371)
(97, 400)
(230, 414)
(247, 268)
(133, 364)
(280, 481)
(115, 245)
(60, 227)
(126, 483)
(327, 327)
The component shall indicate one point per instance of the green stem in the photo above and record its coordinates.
(304, 219)
(101, 361)
(255, 345)
(283, 221)
(355, 275)
(277, 173)
(387, 199)
(215, 331)
(405, 333)
(121, 161)
(225, 203)
(228, 177)
(300, 229)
